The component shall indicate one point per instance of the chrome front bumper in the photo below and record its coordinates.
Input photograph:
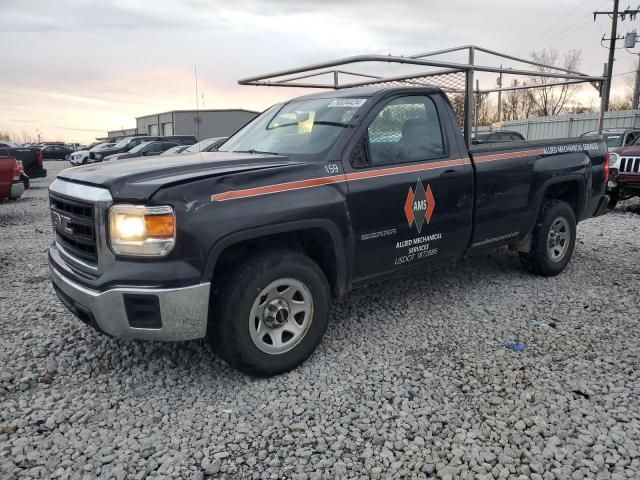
(183, 312)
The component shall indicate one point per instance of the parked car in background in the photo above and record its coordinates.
(11, 185)
(128, 143)
(624, 181)
(208, 145)
(31, 158)
(147, 149)
(55, 152)
(497, 137)
(81, 157)
(24, 178)
(615, 138)
(175, 150)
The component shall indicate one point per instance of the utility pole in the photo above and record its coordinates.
(500, 96)
(477, 105)
(612, 49)
(628, 12)
(636, 88)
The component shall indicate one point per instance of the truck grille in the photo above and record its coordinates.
(74, 225)
(629, 165)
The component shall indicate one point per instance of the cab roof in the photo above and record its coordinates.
(365, 92)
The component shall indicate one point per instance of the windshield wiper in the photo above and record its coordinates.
(254, 151)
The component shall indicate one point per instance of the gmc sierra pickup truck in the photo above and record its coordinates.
(247, 245)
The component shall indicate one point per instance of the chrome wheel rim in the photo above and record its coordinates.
(281, 316)
(558, 239)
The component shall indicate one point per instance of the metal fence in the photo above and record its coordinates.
(563, 126)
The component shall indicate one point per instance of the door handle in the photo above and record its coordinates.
(449, 174)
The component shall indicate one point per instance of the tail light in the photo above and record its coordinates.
(39, 157)
(607, 162)
(16, 172)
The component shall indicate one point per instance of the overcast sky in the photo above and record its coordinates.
(73, 69)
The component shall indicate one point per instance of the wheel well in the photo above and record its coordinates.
(316, 243)
(566, 191)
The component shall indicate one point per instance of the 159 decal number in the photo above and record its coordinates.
(332, 168)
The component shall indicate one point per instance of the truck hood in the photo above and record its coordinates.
(137, 179)
(632, 150)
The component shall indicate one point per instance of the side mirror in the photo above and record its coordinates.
(359, 157)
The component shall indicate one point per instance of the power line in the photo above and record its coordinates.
(566, 29)
(624, 73)
(570, 29)
(580, 4)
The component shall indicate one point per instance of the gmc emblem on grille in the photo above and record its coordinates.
(61, 222)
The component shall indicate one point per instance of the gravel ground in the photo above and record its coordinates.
(411, 381)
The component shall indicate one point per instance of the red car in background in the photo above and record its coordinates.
(11, 183)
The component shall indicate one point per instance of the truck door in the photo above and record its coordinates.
(410, 186)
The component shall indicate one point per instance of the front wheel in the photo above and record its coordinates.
(553, 240)
(270, 312)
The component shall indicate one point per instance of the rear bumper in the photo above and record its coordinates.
(138, 313)
(37, 172)
(17, 189)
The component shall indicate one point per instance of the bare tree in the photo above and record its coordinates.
(517, 104)
(27, 137)
(623, 100)
(6, 135)
(485, 110)
(458, 104)
(549, 100)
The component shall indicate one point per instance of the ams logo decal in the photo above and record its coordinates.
(419, 205)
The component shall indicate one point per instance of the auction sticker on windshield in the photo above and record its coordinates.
(347, 102)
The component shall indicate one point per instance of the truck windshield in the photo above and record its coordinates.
(613, 139)
(306, 128)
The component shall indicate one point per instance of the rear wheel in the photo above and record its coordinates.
(270, 312)
(553, 239)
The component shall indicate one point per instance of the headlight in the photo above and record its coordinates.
(614, 158)
(139, 231)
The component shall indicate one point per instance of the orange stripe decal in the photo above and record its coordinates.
(280, 187)
(508, 155)
(315, 182)
(383, 172)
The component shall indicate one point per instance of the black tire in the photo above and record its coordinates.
(539, 260)
(233, 299)
(614, 197)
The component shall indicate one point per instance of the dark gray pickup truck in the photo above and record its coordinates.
(247, 245)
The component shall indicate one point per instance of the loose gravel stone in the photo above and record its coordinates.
(411, 381)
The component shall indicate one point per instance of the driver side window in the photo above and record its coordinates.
(406, 129)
